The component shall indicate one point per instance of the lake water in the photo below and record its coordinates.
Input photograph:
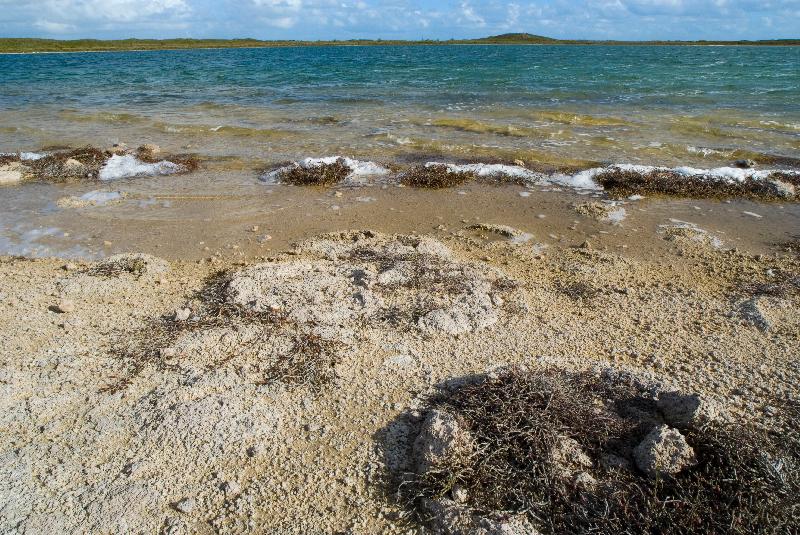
(622, 104)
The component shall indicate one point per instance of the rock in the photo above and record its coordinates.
(440, 437)
(515, 235)
(609, 211)
(118, 149)
(745, 163)
(132, 469)
(584, 480)
(663, 451)
(74, 167)
(183, 314)
(148, 149)
(682, 410)
(65, 306)
(231, 488)
(12, 173)
(186, 505)
(450, 518)
(752, 312)
(460, 494)
(615, 462)
(138, 264)
(781, 189)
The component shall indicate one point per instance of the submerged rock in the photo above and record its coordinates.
(663, 451)
(12, 173)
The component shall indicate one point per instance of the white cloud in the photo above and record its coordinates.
(469, 16)
(54, 27)
(342, 19)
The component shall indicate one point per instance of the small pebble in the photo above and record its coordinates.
(65, 306)
(186, 505)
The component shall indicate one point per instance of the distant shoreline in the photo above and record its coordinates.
(18, 46)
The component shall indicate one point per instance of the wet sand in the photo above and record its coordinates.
(213, 213)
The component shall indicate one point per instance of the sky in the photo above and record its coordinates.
(401, 19)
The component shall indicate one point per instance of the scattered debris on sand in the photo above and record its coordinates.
(590, 452)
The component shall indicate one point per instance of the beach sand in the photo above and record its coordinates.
(134, 399)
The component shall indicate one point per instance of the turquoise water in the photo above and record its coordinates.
(606, 103)
(683, 78)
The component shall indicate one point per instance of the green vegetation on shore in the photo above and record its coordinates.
(27, 45)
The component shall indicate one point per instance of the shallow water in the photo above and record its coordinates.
(244, 110)
(654, 105)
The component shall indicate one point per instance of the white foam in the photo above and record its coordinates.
(127, 166)
(491, 170)
(522, 237)
(25, 156)
(358, 168)
(617, 216)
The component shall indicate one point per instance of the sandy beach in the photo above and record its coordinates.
(121, 416)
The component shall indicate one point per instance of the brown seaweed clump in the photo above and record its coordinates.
(324, 174)
(622, 182)
(437, 176)
(85, 163)
(308, 361)
(69, 165)
(567, 453)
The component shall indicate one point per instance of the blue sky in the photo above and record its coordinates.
(406, 19)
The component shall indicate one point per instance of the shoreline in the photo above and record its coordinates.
(408, 43)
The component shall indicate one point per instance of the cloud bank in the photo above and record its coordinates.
(402, 19)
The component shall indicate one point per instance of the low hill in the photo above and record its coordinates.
(27, 45)
(518, 38)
